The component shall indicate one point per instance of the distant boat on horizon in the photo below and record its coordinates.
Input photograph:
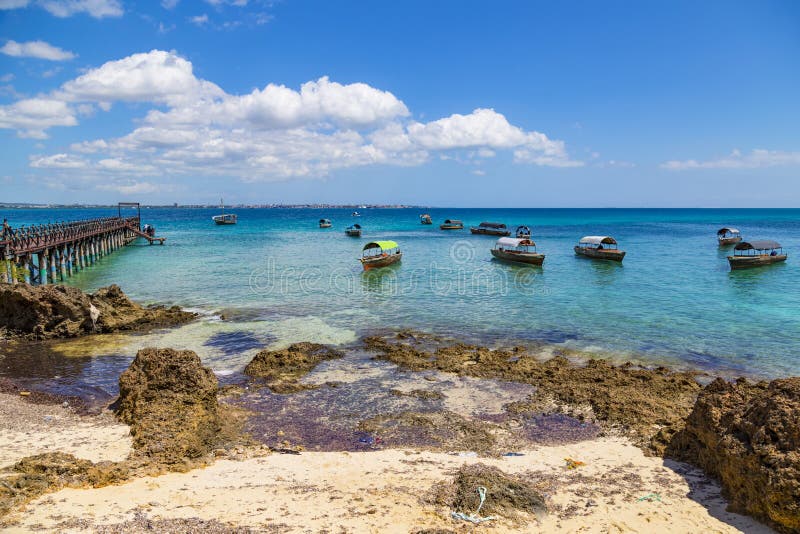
(224, 218)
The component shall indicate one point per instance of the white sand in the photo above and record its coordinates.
(380, 492)
(27, 429)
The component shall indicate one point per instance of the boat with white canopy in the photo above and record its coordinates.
(756, 253)
(599, 247)
(728, 236)
(517, 250)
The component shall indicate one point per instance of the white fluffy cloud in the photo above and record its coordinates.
(94, 8)
(37, 49)
(757, 158)
(268, 134)
(277, 106)
(31, 117)
(157, 76)
(58, 161)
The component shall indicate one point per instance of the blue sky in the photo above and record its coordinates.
(441, 103)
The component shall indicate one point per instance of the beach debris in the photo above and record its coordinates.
(573, 464)
(25, 393)
(370, 440)
(467, 454)
(747, 436)
(505, 495)
(284, 368)
(513, 454)
(650, 497)
(475, 517)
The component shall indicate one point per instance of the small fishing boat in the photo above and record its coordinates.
(728, 236)
(522, 232)
(356, 214)
(380, 254)
(451, 224)
(517, 250)
(599, 247)
(749, 254)
(325, 223)
(491, 228)
(353, 231)
(224, 218)
(425, 219)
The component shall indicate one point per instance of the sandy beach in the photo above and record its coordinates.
(619, 489)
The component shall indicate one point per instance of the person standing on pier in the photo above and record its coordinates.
(6, 230)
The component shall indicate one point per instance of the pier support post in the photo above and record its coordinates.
(26, 268)
(62, 262)
(53, 269)
(42, 260)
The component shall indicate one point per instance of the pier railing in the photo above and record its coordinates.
(51, 252)
(35, 238)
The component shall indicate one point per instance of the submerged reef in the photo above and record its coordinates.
(283, 368)
(639, 402)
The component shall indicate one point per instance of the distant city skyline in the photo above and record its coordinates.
(511, 104)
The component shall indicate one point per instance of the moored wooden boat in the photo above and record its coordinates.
(353, 231)
(600, 247)
(224, 218)
(748, 254)
(425, 219)
(728, 236)
(517, 250)
(325, 223)
(451, 224)
(380, 254)
(491, 228)
(523, 232)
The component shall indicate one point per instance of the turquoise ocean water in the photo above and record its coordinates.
(277, 277)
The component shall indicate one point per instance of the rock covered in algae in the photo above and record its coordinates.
(748, 436)
(640, 401)
(283, 368)
(117, 312)
(55, 311)
(36, 475)
(170, 402)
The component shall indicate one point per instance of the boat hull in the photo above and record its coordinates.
(725, 241)
(489, 231)
(530, 258)
(325, 225)
(451, 227)
(748, 262)
(223, 221)
(381, 261)
(612, 255)
(353, 233)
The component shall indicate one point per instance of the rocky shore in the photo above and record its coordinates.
(55, 311)
(630, 445)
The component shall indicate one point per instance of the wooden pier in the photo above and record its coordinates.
(50, 253)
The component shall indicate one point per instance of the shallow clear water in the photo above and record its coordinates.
(277, 277)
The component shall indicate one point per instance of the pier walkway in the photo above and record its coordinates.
(50, 253)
